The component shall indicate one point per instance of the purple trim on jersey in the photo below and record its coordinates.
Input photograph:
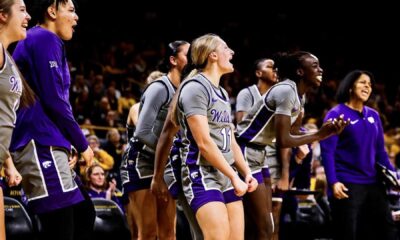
(257, 125)
(193, 151)
(196, 80)
(56, 198)
(223, 98)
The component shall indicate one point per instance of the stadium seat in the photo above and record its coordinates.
(110, 221)
(18, 222)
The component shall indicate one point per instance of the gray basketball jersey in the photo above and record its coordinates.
(247, 97)
(258, 126)
(163, 111)
(10, 93)
(199, 97)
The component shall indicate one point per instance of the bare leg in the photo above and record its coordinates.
(276, 212)
(166, 218)
(131, 222)
(236, 220)
(214, 221)
(142, 205)
(260, 212)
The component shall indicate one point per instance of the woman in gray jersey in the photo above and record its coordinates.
(131, 122)
(14, 92)
(272, 119)
(210, 153)
(258, 205)
(153, 217)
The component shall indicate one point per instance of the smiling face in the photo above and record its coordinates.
(16, 21)
(65, 20)
(310, 71)
(362, 89)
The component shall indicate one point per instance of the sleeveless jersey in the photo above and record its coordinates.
(258, 126)
(219, 121)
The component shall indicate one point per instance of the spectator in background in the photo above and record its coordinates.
(115, 147)
(97, 187)
(360, 208)
(101, 157)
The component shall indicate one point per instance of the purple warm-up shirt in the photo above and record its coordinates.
(42, 60)
(351, 156)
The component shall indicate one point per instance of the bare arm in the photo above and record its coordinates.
(239, 116)
(285, 139)
(133, 114)
(284, 155)
(199, 127)
(158, 186)
(243, 167)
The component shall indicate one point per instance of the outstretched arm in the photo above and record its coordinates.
(285, 139)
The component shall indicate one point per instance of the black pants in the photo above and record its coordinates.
(70, 223)
(364, 215)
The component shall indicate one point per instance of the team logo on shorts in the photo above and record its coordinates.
(46, 164)
(194, 175)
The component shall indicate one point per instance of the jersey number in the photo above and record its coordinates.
(226, 135)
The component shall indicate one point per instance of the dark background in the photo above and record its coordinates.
(344, 35)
